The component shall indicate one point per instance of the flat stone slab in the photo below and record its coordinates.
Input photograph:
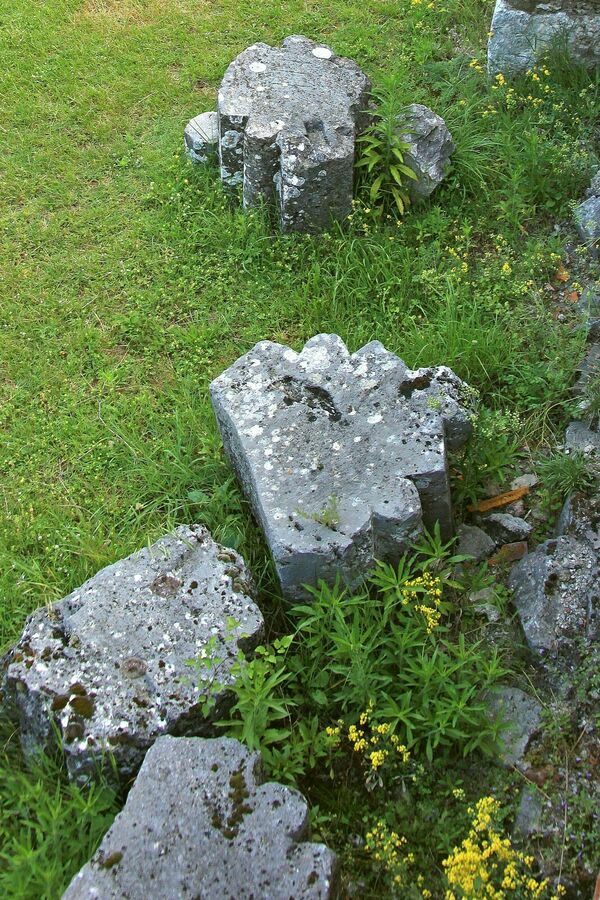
(200, 822)
(288, 119)
(523, 30)
(342, 456)
(106, 666)
(430, 148)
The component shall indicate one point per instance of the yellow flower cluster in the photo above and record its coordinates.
(486, 866)
(431, 588)
(373, 740)
(385, 847)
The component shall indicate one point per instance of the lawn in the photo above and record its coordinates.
(127, 283)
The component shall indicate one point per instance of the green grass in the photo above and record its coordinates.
(127, 283)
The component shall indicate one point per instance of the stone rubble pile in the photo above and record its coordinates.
(107, 667)
(523, 30)
(213, 829)
(342, 456)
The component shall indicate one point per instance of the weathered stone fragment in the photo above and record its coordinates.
(587, 218)
(431, 147)
(288, 119)
(557, 595)
(473, 541)
(581, 439)
(580, 517)
(200, 822)
(523, 30)
(107, 665)
(201, 137)
(521, 716)
(341, 456)
(506, 529)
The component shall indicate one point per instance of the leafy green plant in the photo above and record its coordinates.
(563, 473)
(50, 827)
(487, 457)
(260, 706)
(383, 172)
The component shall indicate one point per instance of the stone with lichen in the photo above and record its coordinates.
(288, 120)
(213, 829)
(106, 669)
(342, 456)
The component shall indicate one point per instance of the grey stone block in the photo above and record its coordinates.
(341, 456)
(106, 666)
(200, 822)
(431, 147)
(201, 137)
(557, 595)
(587, 219)
(473, 541)
(523, 31)
(288, 119)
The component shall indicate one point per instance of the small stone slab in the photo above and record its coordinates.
(521, 717)
(200, 822)
(288, 119)
(343, 457)
(201, 137)
(106, 666)
(506, 529)
(473, 541)
(557, 595)
(430, 148)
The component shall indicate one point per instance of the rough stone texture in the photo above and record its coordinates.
(431, 147)
(107, 665)
(473, 541)
(201, 137)
(522, 31)
(581, 439)
(557, 595)
(587, 218)
(199, 822)
(580, 517)
(341, 456)
(528, 820)
(521, 715)
(506, 529)
(589, 369)
(594, 188)
(288, 119)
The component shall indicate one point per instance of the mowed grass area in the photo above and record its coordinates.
(127, 282)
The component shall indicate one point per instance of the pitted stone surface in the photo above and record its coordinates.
(587, 214)
(522, 30)
(288, 119)
(343, 457)
(201, 137)
(430, 148)
(200, 822)
(557, 595)
(107, 665)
